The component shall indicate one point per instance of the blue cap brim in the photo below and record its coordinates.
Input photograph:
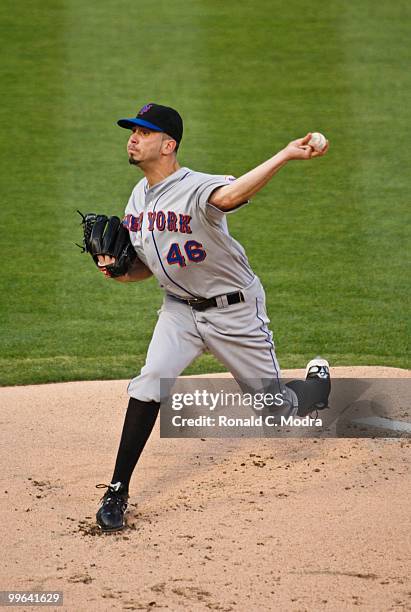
(130, 123)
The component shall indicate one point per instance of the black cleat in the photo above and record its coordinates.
(319, 368)
(110, 515)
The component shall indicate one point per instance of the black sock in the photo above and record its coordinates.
(138, 425)
(309, 392)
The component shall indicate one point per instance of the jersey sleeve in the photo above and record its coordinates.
(128, 215)
(132, 220)
(133, 210)
(132, 201)
(130, 204)
(206, 188)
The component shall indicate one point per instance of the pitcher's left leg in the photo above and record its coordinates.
(240, 338)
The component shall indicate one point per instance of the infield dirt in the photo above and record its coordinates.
(213, 525)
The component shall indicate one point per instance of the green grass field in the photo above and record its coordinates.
(328, 238)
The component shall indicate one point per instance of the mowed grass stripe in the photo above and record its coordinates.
(246, 80)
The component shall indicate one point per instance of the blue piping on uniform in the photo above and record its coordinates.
(155, 244)
(267, 340)
(145, 193)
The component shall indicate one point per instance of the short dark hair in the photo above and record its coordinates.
(171, 138)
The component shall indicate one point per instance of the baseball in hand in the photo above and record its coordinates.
(317, 141)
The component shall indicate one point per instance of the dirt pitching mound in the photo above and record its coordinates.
(295, 524)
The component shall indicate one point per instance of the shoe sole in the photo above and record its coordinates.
(104, 530)
(318, 362)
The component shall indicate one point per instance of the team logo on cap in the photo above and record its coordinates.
(144, 109)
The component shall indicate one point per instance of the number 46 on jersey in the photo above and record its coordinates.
(193, 251)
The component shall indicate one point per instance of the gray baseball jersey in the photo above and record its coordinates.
(183, 239)
(185, 242)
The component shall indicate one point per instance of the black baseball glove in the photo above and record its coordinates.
(104, 235)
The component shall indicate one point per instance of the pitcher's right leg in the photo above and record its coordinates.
(175, 343)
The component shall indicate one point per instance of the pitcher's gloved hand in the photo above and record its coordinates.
(103, 262)
(106, 237)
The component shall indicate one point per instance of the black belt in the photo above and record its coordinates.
(221, 301)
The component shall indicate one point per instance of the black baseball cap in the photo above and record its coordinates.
(158, 118)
